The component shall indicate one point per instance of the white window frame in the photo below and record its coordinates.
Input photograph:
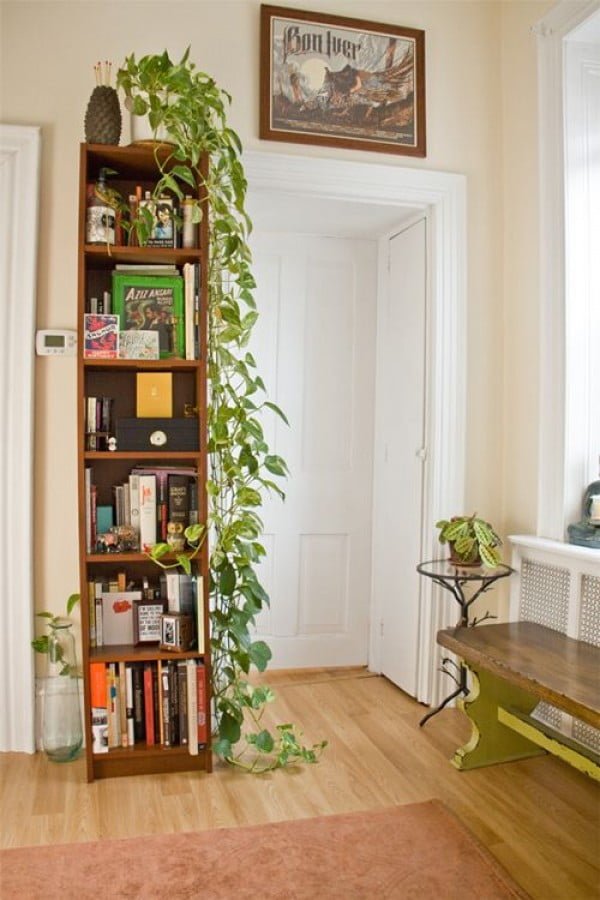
(564, 381)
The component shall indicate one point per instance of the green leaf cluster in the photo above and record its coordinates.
(52, 649)
(193, 110)
(472, 538)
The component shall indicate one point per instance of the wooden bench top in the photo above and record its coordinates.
(557, 669)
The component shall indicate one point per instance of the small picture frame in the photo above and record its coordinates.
(177, 632)
(163, 230)
(147, 621)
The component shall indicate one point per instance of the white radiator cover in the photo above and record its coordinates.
(558, 585)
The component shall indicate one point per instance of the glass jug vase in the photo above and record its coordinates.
(62, 734)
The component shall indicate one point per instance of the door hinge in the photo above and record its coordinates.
(381, 628)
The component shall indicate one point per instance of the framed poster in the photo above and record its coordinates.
(152, 303)
(341, 82)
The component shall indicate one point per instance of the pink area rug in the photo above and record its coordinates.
(413, 852)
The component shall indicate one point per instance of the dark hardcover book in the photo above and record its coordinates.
(193, 501)
(106, 427)
(173, 704)
(156, 702)
(162, 503)
(183, 701)
(178, 499)
(139, 729)
(165, 704)
(93, 516)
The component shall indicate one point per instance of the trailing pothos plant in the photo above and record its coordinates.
(189, 106)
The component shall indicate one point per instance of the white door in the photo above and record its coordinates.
(314, 343)
(400, 456)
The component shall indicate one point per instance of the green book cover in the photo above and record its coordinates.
(152, 303)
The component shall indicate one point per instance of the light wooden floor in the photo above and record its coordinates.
(539, 817)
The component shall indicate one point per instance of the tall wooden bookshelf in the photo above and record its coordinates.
(135, 166)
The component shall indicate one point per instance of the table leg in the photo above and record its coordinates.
(461, 689)
(491, 741)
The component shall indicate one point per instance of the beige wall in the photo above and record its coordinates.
(480, 121)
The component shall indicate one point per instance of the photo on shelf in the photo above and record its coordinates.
(163, 227)
(152, 303)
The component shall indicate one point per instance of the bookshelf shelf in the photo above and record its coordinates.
(120, 559)
(106, 257)
(181, 365)
(145, 750)
(129, 653)
(107, 455)
(137, 691)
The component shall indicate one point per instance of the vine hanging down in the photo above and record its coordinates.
(189, 106)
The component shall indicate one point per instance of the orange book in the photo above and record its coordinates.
(98, 685)
(99, 708)
(149, 704)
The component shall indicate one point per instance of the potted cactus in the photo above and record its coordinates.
(472, 541)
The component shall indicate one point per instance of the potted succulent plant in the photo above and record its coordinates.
(472, 541)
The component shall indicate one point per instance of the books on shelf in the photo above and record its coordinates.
(160, 702)
(152, 312)
(144, 504)
(98, 422)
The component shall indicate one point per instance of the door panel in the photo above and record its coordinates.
(314, 345)
(400, 458)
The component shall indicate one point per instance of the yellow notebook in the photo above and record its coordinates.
(154, 395)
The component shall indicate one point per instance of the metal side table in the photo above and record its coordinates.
(454, 579)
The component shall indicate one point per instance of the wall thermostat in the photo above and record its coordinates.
(54, 342)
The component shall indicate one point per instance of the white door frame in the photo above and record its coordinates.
(20, 148)
(442, 198)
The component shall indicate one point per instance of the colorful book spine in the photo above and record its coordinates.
(182, 702)
(149, 704)
(192, 704)
(123, 705)
(147, 500)
(202, 692)
(99, 708)
(129, 708)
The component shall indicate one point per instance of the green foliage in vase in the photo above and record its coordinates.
(52, 649)
(472, 539)
(192, 109)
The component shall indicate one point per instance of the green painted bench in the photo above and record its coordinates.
(512, 668)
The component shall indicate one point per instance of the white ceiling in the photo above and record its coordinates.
(317, 215)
